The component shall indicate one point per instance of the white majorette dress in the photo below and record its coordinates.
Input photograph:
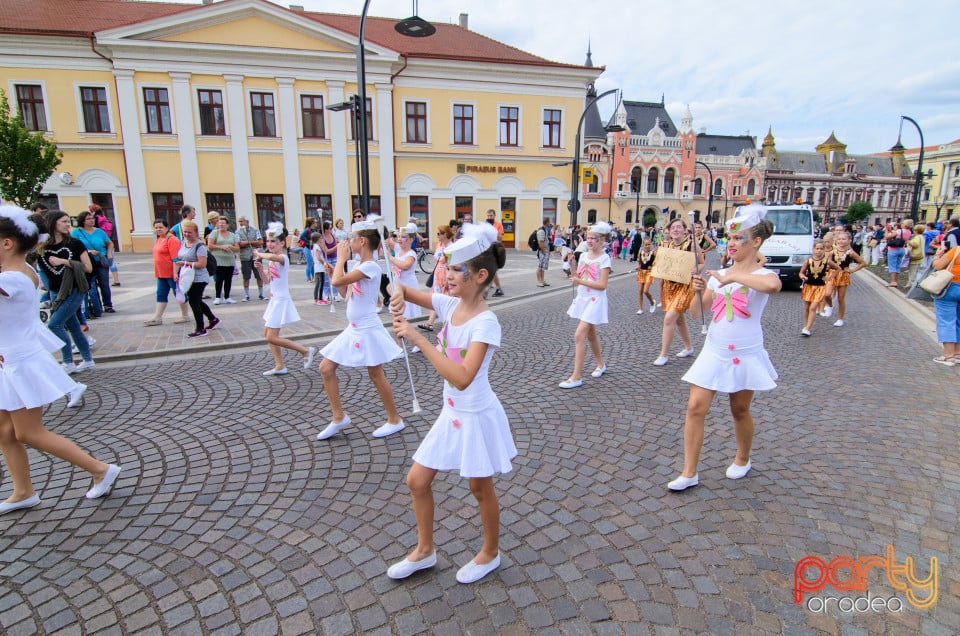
(590, 305)
(280, 310)
(471, 434)
(365, 342)
(733, 358)
(29, 376)
(408, 278)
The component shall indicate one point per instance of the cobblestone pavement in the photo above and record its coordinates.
(230, 517)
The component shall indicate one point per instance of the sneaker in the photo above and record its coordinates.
(68, 367)
(197, 334)
(323, 302)
(839, 323)
(76, 395)
(261, 297)
(389, 429)
(246, 298)
(639, 311)
(662, 360)
(828, 311)
(334, 427)
(498, 292)
(86, 364)
(229, 301)
(653, 309)
(570, 384)
(216, 301)
(110, 310)
(804, 332)
(308, 359)
(686, 353)
(214, 323)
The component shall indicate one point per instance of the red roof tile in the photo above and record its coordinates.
(83, 18)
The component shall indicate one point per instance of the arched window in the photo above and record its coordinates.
(718, 187)
(629, 218)
(669, 177)
(591, 217)
(697, 186)
(636, 178)
(594, 186)
(716, 216)
(653, 175)
(751, 187)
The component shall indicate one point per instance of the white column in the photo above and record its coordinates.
(388, 182)
(293, 198)
(237, 116)
(133, 154)
(338, 140)
(186, 137)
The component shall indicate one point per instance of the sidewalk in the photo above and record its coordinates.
(122, 336)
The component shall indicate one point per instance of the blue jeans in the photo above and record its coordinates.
(947, 309)
(100, 280)
(310, 271)
(64, 320)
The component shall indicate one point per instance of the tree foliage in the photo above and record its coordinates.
(27, 158)
(649, 218)
(858, 211)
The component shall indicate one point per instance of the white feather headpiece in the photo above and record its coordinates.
(602, 228)
(475, 240)
(20, 218)
(274, 230)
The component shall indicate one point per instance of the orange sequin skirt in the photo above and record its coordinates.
(813, 293)
(842, 279)
(644, 276)
(676, 296)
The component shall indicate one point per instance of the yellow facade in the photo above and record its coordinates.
(183, 124)
(940, 189)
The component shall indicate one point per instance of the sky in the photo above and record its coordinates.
(806, 69)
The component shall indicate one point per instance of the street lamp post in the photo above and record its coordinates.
(710, 198)
(574, 204)
(414, 27)
(938, 201)
(915, 201)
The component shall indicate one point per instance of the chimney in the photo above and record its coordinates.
(296, 7)
(207, 1)
(463, 20)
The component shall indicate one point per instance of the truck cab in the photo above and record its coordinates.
(792, 240)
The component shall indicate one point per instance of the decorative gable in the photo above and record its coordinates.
(260, 32)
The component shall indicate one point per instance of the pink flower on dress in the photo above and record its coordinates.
(356, 344)
(353, 324)
(736, 360)
(731, 346)
(593, 299)
(450, 401)
(456, 423)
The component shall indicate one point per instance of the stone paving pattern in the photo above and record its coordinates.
(230, 517)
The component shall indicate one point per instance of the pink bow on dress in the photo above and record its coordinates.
(729, 304)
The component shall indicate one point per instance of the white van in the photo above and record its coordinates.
(792, 240)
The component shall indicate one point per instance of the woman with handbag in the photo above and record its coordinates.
(165, 251)
(946, 304)
(193, 257)
(100, 250)
(896, 239)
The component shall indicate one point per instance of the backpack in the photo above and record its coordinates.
(533, 242)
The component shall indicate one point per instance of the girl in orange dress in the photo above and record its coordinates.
(847, 262)
(676, 297)
(826, 304)
(644, 275)
(814, 275)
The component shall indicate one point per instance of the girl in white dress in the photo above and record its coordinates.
(471, 434)
(280, 310)
(404, 264)
(365, 342)
(733, 359)
(29, 376)
(590, 304)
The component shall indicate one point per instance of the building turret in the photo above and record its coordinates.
(768, 147)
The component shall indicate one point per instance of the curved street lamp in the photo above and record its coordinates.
(414, 27)
(915, 201)
(710, 198)
(574, 204)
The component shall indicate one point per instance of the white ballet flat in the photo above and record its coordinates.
(334, 427)
(405, 568)
(473, 571)
(738, 472)
(23, 504)
(682, 483)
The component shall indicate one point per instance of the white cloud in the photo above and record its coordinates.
(806, 68)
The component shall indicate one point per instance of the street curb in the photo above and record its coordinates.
(328, 333)
(917, 313)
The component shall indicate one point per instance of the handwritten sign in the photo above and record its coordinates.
(674, 265)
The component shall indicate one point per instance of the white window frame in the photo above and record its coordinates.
(403, 111)
(519, 108)
(195, 99)
(476, 123)
(326, 118)
(143, 110)
(248, 108)
(81, 126)
(12, 93)
(563, 127)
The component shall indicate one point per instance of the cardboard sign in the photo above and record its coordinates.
(674, 265)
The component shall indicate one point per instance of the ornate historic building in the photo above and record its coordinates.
(830, 180)
(940, 188)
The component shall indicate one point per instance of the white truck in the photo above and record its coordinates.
(792, 240)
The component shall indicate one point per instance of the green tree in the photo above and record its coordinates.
(27, 158)
(858, 211)
(649, 218)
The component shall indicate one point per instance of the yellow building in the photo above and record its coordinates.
(940, 190)
(225, 105)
